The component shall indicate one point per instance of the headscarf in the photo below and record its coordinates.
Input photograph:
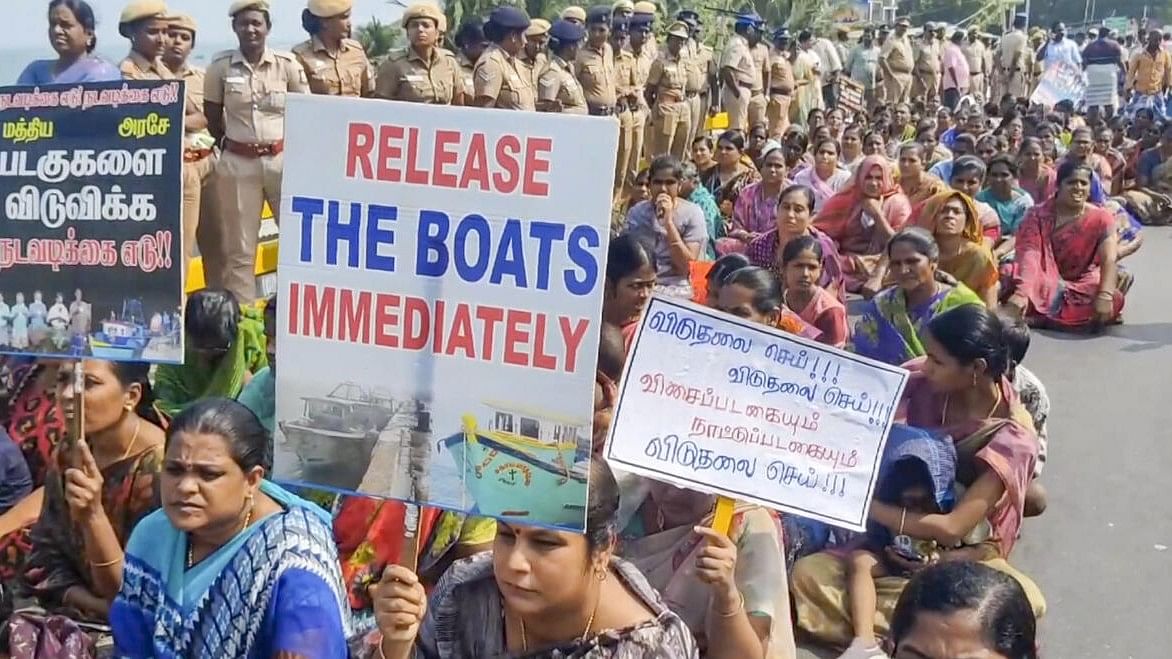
(844, 207)
(925, 214)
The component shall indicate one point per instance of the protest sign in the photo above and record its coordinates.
(1063, 81)
(91, 254)
(440, 286)
(1120, 24)
(717, 404)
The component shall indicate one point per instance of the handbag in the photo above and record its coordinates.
(36, 636)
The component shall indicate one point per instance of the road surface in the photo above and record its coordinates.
(1102, 552)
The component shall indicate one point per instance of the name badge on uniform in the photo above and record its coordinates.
(414, 77)
(234, 80)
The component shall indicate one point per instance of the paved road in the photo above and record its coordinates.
(1102, 553)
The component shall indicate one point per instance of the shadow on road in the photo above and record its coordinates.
(1149, 336)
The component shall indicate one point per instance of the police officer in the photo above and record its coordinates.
(471, 44)
(534, 59)
(760, 52)
(574, 14)
(595, 64)
(666, 94)
(423, 72)
(499, 79)
(781, 84)
(244, 101)
(558, 90)
(198, 155)
(144, 23)
(697, 87)
(623, 9)
(738, 74)
(628, 102)
(926, 84)
(335, 64)
(896, 60)
(640, 111)
(646, 9)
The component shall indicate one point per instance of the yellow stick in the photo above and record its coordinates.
(722, 520)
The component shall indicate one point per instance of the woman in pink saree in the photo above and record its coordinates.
(756, 205)
(862, 218)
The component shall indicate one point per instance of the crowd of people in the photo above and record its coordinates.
(950, 214)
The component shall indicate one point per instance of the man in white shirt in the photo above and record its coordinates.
(827, 54)
(1059, 49)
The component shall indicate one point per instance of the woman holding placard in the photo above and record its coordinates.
(960, 389)
(539, 592)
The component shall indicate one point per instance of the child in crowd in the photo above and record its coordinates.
(801, 260)
(612, 355)
(1033, 397)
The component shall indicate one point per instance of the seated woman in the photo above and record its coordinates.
(825, 178)
(862, 218)
(223, 531)
(968, 176)
(852, 147)
(96, 491)
(1036, 176)
(72, 34)
(967, 605)
(738, 610)
(630, 281)
(719, 273)
(1009, 201)
(952, 218)
(959, 390)
(917, 184)
(1066, 274)
(754, 294)
(756, 206)
(892, 323)
(225, 347)
(731, 173)
(671, 229)
(694, 191)
(793, 219)
(801, 262)
(539, 591)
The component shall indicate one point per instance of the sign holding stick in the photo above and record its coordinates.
(721, 405)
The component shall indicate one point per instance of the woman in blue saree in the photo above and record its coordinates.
(71, 33)
(233, 565)
(892, 322)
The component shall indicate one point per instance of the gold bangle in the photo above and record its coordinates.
(107, 563)
(740, 607)
(902, 519)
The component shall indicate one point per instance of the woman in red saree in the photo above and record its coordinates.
(1067, 276)
(862, 218)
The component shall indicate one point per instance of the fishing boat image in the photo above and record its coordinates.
(119, 340)
(524, 464)
(340, 428)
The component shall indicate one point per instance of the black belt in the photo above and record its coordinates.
(782, 92)
(602, 110)
(691, 94)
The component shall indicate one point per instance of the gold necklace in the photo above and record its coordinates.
(191, 547)
(948, 398)
(585, 632)
(133, 441)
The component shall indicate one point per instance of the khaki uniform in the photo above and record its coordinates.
(690, 53)
(704, 62)
(926, 83)
(558, 83)
(738, 58)
(641, 115)
(974, 54)
(344, 73)
(199, 161)
(1015, 79)
(405, 76)
(534, 67)
(249, 171)
(466, 68)
(897, 52)
(502, 79)
(596, 71)
(137, 67)
(627, 160)
(758, 102)
(671, 118)
(781, 92)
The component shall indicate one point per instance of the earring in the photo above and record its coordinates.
(601, 574)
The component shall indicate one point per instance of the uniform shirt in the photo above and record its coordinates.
(704, 62)
(696, 70)
(626, 81)
(253, 97)
(345, 73)
(863, 65)
(558, 83)
(954, 59)
(194, 77)
(498, 76)
(781, 72)
(669, 77)
(738, 57)
(596, 71)
(1150, 74)
(1013, 45)
(137, 67)
(928, 57)
(534, 67)
(466, 68)
(405, 76)
(642, 72)
(974, 53)
(760, 54)
(897, 52)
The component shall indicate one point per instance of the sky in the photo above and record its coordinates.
(27, 27)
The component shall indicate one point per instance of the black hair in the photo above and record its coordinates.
(129, 373)
(805, 35)
(602, 506)
(733, 137)
(625, 256)
(968, 165)
(764, 284)
(643, 175)
(967, 138)
(471, 31)
(1007, 621)
(1006, 160)
(919, 238)
(725, 266)
(1030, 141)
(798, 187)
(912, 146)
(1017, 338)
(801, 139)
(853, 128)
(310, 22)
(666, 162)
(1080, 130)
(706, 140)
(84, 14)
(212, 316)
(259, 6)
(830, 141)
(1069, 168)
(249, 444)
(971, 332)
(270, 310)
(497, 33)
(798, 245)
(612, 351)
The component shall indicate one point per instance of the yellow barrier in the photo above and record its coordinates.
(266, 261)
(718, 121)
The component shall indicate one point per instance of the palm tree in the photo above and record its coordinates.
(379, 38)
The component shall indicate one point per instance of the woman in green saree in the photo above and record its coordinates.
(225, 347)
(891, 327)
